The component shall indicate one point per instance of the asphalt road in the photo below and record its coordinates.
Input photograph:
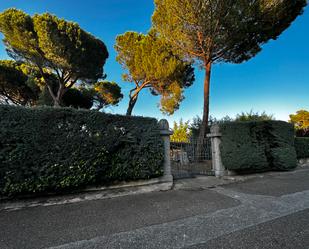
(288, 232)
(42, 227)
(269, 212)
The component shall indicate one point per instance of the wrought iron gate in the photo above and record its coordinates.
(187, 162)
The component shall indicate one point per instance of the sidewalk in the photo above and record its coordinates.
(197, 183)
(209, 182)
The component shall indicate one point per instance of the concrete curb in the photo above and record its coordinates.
(206, 182)
(241, 178)
(89, 194)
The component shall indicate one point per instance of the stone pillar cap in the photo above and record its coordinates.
(164, 125)
(165, 128)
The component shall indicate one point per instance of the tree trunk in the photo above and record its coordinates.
(57, 103)
(54, 97)
(60, 92)
(132, 103)
(204, 125)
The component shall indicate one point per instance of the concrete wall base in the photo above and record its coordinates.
(303, 162)
(124, 189)
(222, 173)
(231, 173)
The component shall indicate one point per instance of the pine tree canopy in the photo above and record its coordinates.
(15, 86)
(151, 63)
(224, 30)
(48, 42)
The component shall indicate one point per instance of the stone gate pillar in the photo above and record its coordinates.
(165, 133)
(217, 165)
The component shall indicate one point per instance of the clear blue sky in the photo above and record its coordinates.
(275, 81)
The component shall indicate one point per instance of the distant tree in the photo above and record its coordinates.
(21, 84)
(301, 122)
(98, 96)
(151, 63)
(15, 86)
(75, 98)
(225, 119)
(196, 124)
(181, 132)
(105, 94)
(254, 116)
(54, 46)
(216, 31)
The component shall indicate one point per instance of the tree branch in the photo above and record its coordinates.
(47, 83)
(137, 90)
(71, 83)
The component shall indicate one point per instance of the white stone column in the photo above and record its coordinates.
(217, 165)
(165, 133)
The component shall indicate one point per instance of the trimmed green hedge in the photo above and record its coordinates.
(302, 147)
(258, 146)
(48, 149)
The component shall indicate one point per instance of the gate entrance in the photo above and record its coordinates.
(186, 162)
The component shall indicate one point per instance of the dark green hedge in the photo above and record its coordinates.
(48, 149)
(302, 147)
(258, 146)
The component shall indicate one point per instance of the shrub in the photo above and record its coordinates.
(48, 149)
(253, 116)
(258, 146)
(302, 147)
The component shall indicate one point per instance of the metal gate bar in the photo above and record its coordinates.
(187, 162)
